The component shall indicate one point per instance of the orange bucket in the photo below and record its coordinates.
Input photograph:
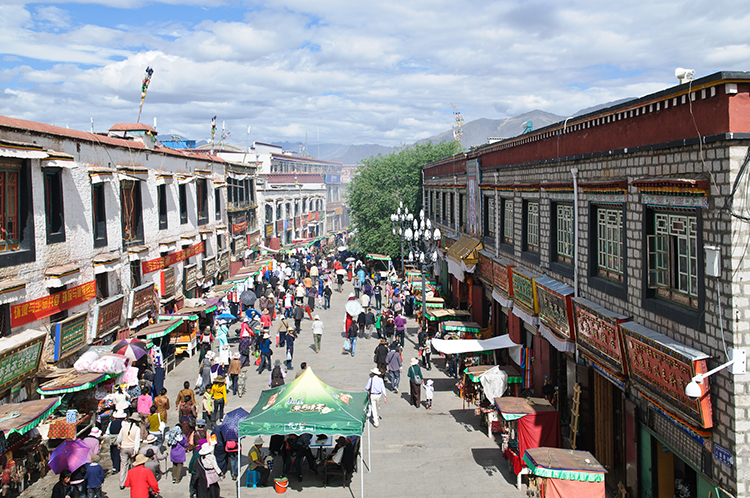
(280, 483)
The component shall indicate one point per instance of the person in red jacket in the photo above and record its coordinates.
(140, 479)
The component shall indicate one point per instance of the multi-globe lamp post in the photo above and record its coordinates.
(401, 220)
(423, 242)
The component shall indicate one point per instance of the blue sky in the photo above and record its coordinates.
(359, 72)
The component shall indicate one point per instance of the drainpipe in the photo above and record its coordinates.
(574, 172)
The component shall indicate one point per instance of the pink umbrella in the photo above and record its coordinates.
(70, 455)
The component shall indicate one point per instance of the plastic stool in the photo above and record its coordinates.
(253, 477)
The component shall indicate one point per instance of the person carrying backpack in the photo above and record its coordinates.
(278, 375)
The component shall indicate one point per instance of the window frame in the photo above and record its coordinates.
(99, 226)
(505, 243)
(201, 201)
(182, 188)
(54, 211)
(595, 280)
(489, 220)
(61, 315)
(102, 286)
(137, 219)
(161, 199)
(217, 204)
(23, 248)
(530, 230)
(557, 264)
(461, 212)
(135, 274)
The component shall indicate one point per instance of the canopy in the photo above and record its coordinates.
(538, 423)
(306, 405)
(559, 463)
(159, 329)
(455, 326)
(73, 383)
(378, 257)
(435, 315)
(22, 417)
(456, 346)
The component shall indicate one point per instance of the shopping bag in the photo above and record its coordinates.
(347, 345)
(257, 361)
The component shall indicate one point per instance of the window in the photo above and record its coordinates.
(461, 211)
(161, 194)
(609, 262)
(135, 274)
(437, 206)
(288, 211)
(269, 213)
(102, 287)
(17, 242)
(251, 190)
(53, 205)
(219, 242)
(564, 232)
(62, 315)
(507, 221)
(532, 226)
(217, 204)
(431, 205)
(99, 215)
(444, 201)
(489, 218)
(201, 200)
(4, 320)
(183, 204)
(451, 216)
(9, 206)
(673, 257)
(132, 213)
(230, 191)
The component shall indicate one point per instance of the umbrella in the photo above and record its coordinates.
(251, 312)
(133, 350)
(231, 422)
(226, 316)
(248, 298)
(71, 454)
(340, 271)
(351, 259)
(135, 341)
(353, 307)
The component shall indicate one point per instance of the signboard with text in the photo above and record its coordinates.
(524, 291)
(70, 335)
(31, 311)
(556, 307)
(501, 278)
(485, 269)
(224, 261)
(170, 259)
(20, 362)
(240, 245)
(598, 335)
(190, 279)
(209, 267)
(239, 227)
(168, 282)
(141, 300)
(269, 230)
(107, 315)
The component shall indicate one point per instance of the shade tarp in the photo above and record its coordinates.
(456, 346)
(561, 488)
(306, 405)
(538, 421)
(378, 257)
(158, 329)
(559, 463)
(455, 326)
(22, 417)
(73, 383)
(436, 315)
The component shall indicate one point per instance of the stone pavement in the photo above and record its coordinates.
(438, 452)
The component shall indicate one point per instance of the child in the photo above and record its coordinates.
(429, 390)
(94, 478)
(208, 405)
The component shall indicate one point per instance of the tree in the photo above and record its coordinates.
(378, 187)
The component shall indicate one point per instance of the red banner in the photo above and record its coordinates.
(159, 263)
(43, 307)
(239, 227)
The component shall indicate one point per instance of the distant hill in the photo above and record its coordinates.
(600, 106)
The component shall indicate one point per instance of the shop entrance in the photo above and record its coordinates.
(609, 430)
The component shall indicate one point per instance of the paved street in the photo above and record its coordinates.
(414, 452)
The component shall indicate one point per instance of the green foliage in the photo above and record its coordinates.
(378, 187)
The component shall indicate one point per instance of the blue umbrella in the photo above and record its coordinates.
(251, 312)
(230, 425)
(227, 316)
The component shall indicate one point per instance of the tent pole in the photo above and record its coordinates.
(239, 466)
(362, 472)
(369, 458)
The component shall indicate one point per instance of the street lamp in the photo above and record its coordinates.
(423, 242)
(401, 220)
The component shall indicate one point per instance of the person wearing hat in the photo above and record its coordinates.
(265, 353)
(256, 463)
(93, 441)
(219, 397)
(235, 367)
(141, 480)
(381, 355)
(335, 461)
(151, 447)
(278, 375)
(128, 441)
(376, 389)
(177, 456)
(317, 330)
(415, 382)
(429, 391)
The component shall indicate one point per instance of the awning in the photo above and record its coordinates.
(559, 463)
(21, 150)
(378, 257)
(466, 250)
(73, 382)
(512, 408)
(437, 315)
(456, 346)
(20, 418)
(159, 329)
(178, 316)
(455, 326)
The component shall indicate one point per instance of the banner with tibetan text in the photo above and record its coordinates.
(160, 263)
(43, 307)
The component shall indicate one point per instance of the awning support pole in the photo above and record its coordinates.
(239, 466)
(369, 458)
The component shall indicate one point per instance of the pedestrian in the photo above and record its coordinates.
(290, 337)
(208, 407)
(299, 314)
(426, 353)
(145, 401)
(312, 293)
(390, 326)
(376, 390)
(377, 292)
(255, 462)
(381, 355)
(177, 455)
(222, 333)
(357, 287)
(283, 330)
(111, 438)
(302, 368)
(219, 397)
(183, 396)
(188, 414)
(400, 324)
(429, 391)
(162, 404)
(130, 433)
(94, 478)
(151, 447)
(327, 292)
(265, 353)
(205, 478)
(415, 381)
(393, 360)
(351, 334)
(277, 376)
(204, 343)
(62, 488)
(94, 442)
(205, 371)
(235, 367)
(265, 320)
(317, 330)
(154, 424)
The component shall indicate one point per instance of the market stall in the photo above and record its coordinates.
(561, 473)
(185, 337)
(381, 264)
(436, 316)
(527, 423)
(158, 335)
(453, 329)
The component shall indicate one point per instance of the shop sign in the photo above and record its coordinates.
(239, 227)
(485, 269)
(19, 363)
(501, 277)
(141, 300)
(190, 278)
(723, 455)
(240, 245)
(269, 230)
(70, 335)
(168, 282)
(556, 307)
(157, 264)
(598, 335)
(31, 311)
(524, 291)
(661, 368)
(107, 314)
(209, 267)
(280, 226)
(224, 261)
(339, 211)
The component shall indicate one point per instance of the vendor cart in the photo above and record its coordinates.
(184, 338)
(381, 264)
(436, 316)
(459, 330)
(527, 423)
(561, 473)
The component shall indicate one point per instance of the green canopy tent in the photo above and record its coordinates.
(307, 405)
